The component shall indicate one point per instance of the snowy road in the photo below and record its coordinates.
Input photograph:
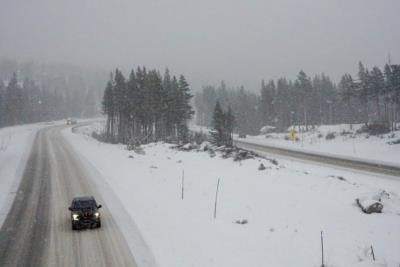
(363, 166)
(37, 230)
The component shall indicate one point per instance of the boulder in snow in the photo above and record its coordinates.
(369, 206)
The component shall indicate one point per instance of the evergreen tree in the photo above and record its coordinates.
(133, 106)
(347, 93)
(387, 91)
(363, 90)
(267, 103)
(184, 108)
(109, 109)
(229, 124)
(223, 124)
(13, 102)
(217, 133)
(377, 84)
(121, 105)
(285, 111)
(2, 104)
(304, 89)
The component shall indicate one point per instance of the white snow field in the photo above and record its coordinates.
(15, 145)
(345, 144)
(286, 206)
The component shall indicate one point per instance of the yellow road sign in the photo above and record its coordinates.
(293, 135)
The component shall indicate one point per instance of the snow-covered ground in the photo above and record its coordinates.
(286, 207)
(344, 144)
(15, 145)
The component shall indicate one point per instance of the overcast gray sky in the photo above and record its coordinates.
(240, 42)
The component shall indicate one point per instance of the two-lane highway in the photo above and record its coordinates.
(37, 230)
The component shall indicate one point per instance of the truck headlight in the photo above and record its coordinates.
(97, 215)
(75, 217)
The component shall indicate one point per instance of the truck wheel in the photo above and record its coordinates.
(73, 227)
(99, 224)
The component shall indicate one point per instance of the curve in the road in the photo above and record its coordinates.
(324, 159)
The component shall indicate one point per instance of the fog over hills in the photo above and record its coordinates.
(240, 42)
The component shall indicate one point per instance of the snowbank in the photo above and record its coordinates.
(338, 140)
(15, 145)
(285, 206)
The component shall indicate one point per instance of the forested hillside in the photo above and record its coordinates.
(372, 97)
(31, 92)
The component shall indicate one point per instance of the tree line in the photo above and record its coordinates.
(372, 97)
(30, 101)
(147, 107)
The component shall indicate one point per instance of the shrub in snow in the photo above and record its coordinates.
(376, 128)
(320, 135)
(199, 138)
(261, 167)
(186, 147)
(132, 144)
(139, 150)
(211, 153)
(287, 138)
(243, 155)
(330, 136)
(243, 221)
(101, 137)
(344, 133)
(274, 161)
(395, 142)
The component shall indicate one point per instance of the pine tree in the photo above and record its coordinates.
(304, 87)
(121, 104)
(285, 111)
(109, 109)
(347, 93)
(229, 124)
(223, 125)
(387, 91)
(395, 94)
(184, 108)
(133, 102)
(377, 84)
(217, 132)
(363, 90)
(267, 103)
(13, 102)
(2, 104)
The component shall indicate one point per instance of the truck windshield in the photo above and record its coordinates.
(85, 204)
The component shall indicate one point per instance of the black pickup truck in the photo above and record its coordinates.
(85, 213)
